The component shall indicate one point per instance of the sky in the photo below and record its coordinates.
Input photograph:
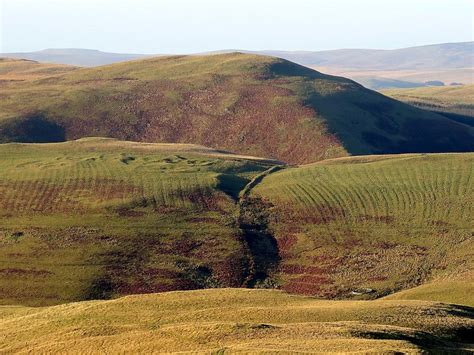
(192, 26)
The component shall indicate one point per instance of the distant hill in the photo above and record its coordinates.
(398, 68)
(375, 69)
(437, 56)
(249, 104)
(379, 83)
(75, 56)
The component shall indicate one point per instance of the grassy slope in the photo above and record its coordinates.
(455, 102)
(452, 99)
(383, 223)
(245, 103)
(96, 218)
(459, 291)
(232, 320)
(27, 70)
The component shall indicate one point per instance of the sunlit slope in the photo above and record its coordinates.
(100, 218)
(97, 218)
(18, 70)
(235, 320)
(459, 290)
(450, 99)
(249, 104)
(369, 226)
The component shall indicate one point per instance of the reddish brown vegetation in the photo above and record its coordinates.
(295, 218)
(285, 243)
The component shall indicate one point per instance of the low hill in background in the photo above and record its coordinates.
(249, 104)
(437, 56)
(375, 69)
(397, 68)
(75, 56)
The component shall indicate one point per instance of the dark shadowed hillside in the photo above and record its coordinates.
(245, 103)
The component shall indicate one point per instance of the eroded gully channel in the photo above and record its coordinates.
(254, 218)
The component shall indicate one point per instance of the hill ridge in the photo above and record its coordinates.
(249, 104)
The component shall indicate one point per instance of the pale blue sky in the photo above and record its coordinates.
(185, 26)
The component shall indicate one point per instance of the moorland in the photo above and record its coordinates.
(231, 203)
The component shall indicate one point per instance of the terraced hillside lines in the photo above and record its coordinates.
(97, 218)
(236, 320)
(249, 104)
(368, 226)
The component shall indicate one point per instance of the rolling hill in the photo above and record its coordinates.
(21, 70)
(456, 102)
(373, 68)
(96, 218)
(100, 218)
(248, 104)
(436, 56)
(236, 321)
(370, 226)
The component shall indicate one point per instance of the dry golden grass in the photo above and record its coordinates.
(233, 320)
(26, 70)
(454, 99)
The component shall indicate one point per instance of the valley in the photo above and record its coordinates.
(101, 218)
(235, 203)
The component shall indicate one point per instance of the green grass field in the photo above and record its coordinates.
(370, 226)
(100, 218)
(450, 99)
(97, 217)
(236, 321)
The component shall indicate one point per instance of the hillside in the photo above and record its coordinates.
(456, 102)
(97, 218)
(230, 320)
(370, 226)
(249, 104)
(100, 218)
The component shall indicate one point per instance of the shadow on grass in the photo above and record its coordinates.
(35, 128)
